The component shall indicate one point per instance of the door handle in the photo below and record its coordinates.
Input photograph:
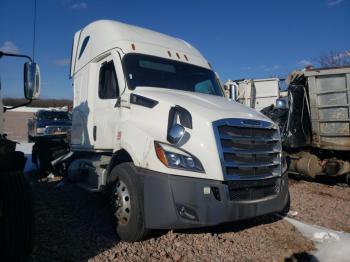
(94, 133)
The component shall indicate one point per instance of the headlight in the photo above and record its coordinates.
(40, 130)
(174, 157)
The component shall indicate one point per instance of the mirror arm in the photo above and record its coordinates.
(16, 55)
(13, 107)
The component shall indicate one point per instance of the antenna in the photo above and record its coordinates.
(34, 30)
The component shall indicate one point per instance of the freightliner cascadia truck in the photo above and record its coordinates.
(152, 127)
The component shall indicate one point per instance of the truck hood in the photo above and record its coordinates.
(210, 107)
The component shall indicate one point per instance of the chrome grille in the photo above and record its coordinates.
(248, 150)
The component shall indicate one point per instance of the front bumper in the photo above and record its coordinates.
(183, 202)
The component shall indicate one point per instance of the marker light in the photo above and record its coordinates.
(161, 154)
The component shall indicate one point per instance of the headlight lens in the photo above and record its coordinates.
(174, 157)
(40, 130)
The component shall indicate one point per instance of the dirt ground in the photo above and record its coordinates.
(321, 204)
(73, 225)
(16, 125)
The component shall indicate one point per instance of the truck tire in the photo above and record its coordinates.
(17, 219)
(126, 191)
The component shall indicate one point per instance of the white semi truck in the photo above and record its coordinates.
(151, 127)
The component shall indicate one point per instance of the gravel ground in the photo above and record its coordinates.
(73, 225)
(321, 204)
(16, 125)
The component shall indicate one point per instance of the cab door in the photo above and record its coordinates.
(106, 113)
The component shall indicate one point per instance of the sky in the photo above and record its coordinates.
(241, 39)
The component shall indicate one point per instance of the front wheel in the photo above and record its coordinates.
(127, 203)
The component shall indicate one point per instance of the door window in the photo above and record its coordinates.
(108, 84)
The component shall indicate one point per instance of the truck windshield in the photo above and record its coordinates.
(145, 70)
(54, 115)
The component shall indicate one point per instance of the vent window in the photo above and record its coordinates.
(83, 46)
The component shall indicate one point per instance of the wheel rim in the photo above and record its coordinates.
(122, 203)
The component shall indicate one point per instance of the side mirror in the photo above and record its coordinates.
(176, 133)
(31, 80)
(281, 103)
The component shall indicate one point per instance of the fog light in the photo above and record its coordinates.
(187, 212)
(206, 190)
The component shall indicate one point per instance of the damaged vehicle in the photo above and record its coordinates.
(48, 130)
(49, 123)
(315, 122)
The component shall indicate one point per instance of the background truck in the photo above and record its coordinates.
(49, 130)
(49, 122)
(255, 93)
(16, 207)
(152, 128)
(316, 126)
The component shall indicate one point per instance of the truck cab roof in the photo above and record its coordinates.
(102, 36)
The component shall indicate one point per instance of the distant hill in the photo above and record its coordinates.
(38, 103)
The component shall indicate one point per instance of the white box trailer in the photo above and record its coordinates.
(152, 127)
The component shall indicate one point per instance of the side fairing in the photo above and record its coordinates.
(81, 137)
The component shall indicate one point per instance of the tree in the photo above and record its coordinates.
(334, 59)
(38, 103)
